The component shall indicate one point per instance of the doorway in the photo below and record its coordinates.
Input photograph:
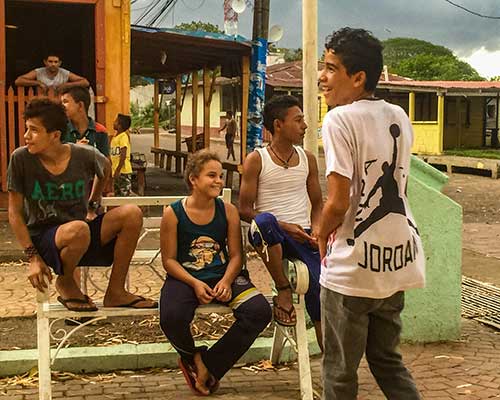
(34, 29)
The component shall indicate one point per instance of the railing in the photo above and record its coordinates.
(12, 105)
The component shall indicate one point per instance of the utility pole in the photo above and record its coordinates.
(310, 73)
(257, 74)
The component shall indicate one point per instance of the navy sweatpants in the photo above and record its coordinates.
(251, 310)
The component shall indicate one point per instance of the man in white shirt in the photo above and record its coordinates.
(369, 244)
(280, 196)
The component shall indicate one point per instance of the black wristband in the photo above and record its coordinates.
(93, 205)
(30, 252)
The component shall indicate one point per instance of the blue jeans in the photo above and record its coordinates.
(353, 326)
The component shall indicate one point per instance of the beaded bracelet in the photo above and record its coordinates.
(30, 252)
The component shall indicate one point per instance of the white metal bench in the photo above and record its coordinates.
(46, 311)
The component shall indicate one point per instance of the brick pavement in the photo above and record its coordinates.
(466, 369)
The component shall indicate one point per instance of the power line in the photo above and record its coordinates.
(160, 13)
(144, 14)
(155, 12)
(472, 12)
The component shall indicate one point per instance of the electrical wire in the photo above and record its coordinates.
(472, 12)
(163, 10)
(144, 14)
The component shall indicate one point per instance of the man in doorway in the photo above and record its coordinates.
(81, 128)
(280, 196)
(53, 213)
(51, 76)
(369, 243)
(231, 128)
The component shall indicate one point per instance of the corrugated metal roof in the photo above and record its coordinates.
(457, 85)
(289, 75)
(184, 51)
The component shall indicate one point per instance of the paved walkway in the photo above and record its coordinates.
(466, 369)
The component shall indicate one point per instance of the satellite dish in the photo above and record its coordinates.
(238, 6)
(275, 33)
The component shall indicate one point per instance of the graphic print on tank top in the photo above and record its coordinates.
(206, 252)
(390, 201)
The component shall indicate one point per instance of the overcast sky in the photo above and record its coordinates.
(472, 38)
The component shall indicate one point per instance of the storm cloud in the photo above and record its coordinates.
(435, 21)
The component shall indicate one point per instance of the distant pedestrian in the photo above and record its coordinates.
(231, 128)
(120, 156)
(369, 243)
(200, 240)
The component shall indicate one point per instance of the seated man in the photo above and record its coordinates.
(81, 128)
(280, 194)
(53, 215)
(51, 76)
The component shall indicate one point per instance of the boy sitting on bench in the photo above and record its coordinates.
(280, 196)
(201, 251)
(54, 217)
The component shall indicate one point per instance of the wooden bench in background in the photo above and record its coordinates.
(179, 157)
(230, 170)
(138, 162)
(166, 157)
(47, 311)
(464, 162)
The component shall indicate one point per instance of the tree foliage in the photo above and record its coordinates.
(199, 26)
(293, 54)
(421, 60)
(137, 80)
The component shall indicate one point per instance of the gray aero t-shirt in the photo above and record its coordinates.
(54, 199)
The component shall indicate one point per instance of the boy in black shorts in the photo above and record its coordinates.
(54, 217)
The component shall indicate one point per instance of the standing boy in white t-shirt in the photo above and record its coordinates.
(369, 243)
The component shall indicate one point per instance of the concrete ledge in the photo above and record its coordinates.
(11, 255)
(128, 356)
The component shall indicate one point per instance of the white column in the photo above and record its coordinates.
(310, 72)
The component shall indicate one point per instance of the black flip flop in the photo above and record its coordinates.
(290, 313)
(138, 300)
(85, 300)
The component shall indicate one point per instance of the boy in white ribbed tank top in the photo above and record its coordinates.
(281, 196)
(369, 243)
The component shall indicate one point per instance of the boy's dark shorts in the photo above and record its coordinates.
(96, 255)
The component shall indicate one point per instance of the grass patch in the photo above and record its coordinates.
(478, 153)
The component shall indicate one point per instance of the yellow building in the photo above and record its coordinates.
(447, 114)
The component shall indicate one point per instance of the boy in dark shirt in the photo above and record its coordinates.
(53, 215)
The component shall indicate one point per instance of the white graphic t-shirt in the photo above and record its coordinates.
(377, 250)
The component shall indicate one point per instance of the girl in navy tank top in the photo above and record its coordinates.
(201, 252)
